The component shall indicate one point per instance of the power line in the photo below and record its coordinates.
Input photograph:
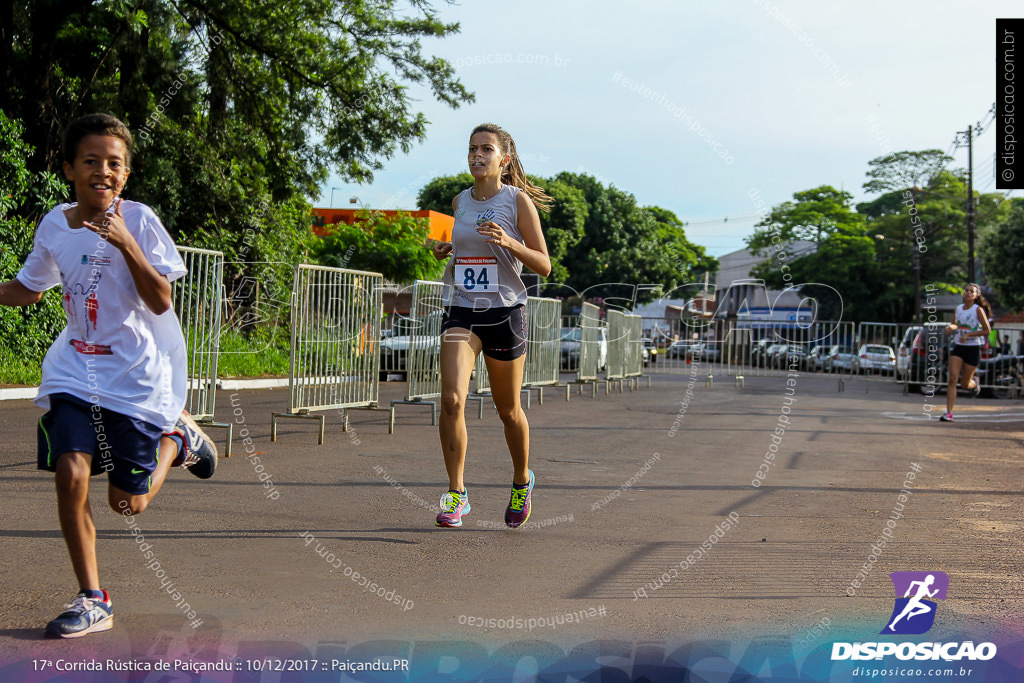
(721, 220)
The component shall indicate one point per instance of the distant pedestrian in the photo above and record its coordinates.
(969, 329)
(1005, 348)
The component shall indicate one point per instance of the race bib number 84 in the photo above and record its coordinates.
(476, 273)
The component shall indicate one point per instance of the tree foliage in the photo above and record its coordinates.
(239, 109)
(814, 215)
(25, 333)
(391, 245)
(600, 235)
(904, 170)
(881, 256)
(1002, 251)
(625, 243)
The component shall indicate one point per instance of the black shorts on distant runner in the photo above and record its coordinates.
(971, 355)
(501, 330)
(124, 446)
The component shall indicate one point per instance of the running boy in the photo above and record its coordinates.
(113, 381)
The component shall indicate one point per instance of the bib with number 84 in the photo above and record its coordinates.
(476, 273)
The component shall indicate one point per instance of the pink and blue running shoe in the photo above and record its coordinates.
(518, 510)
(454, 504)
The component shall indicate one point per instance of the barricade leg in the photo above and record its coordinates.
(302, 416)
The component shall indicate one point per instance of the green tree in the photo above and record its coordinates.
(814, 215)
(25, 333)
(239, 108)
(1002, 252)
(904, 170)
(391, 245)
(437, 195)
(626, 243)
(842, 261)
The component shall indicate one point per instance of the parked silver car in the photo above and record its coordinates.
(875, 358)
(840, 358)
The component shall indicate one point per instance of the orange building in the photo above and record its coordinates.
(440, 223)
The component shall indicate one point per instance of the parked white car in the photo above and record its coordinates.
(875, 358)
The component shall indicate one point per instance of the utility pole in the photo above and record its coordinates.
(969, 133)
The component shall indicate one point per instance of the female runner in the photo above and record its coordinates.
(497, 231)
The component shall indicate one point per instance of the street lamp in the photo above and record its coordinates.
(332, 195)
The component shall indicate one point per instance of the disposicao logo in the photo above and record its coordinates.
(912, 614)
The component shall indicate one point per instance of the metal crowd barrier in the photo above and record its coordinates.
(617, 337)
(751, 348)
(421, 359)
(335, 350)
(543, 348)
(625, 349)
(196, 298)
(591, 341)
(634, 368)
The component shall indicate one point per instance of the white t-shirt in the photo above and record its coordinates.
(114, 351)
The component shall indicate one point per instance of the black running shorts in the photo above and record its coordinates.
(971, 355)
(501, 330)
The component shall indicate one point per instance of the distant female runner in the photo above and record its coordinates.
(497, 231)
(970, 329)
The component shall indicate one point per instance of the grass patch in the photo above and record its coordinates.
(263, 353)
(19, 371)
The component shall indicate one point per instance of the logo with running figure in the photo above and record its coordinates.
(916, 592)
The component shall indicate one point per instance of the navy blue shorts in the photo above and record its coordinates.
(501, 330)
(125, 447)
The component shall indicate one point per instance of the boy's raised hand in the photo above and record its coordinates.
(110, 226)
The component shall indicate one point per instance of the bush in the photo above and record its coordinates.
(25, 333)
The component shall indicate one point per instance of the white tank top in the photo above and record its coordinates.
(967, 318)
(481, 275)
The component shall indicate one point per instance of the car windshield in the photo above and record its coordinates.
(878, 349)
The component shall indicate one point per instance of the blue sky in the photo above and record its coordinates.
(693, 105)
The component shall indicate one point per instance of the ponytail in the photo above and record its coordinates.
(513, 173)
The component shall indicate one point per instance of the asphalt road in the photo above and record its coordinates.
(629, 487)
